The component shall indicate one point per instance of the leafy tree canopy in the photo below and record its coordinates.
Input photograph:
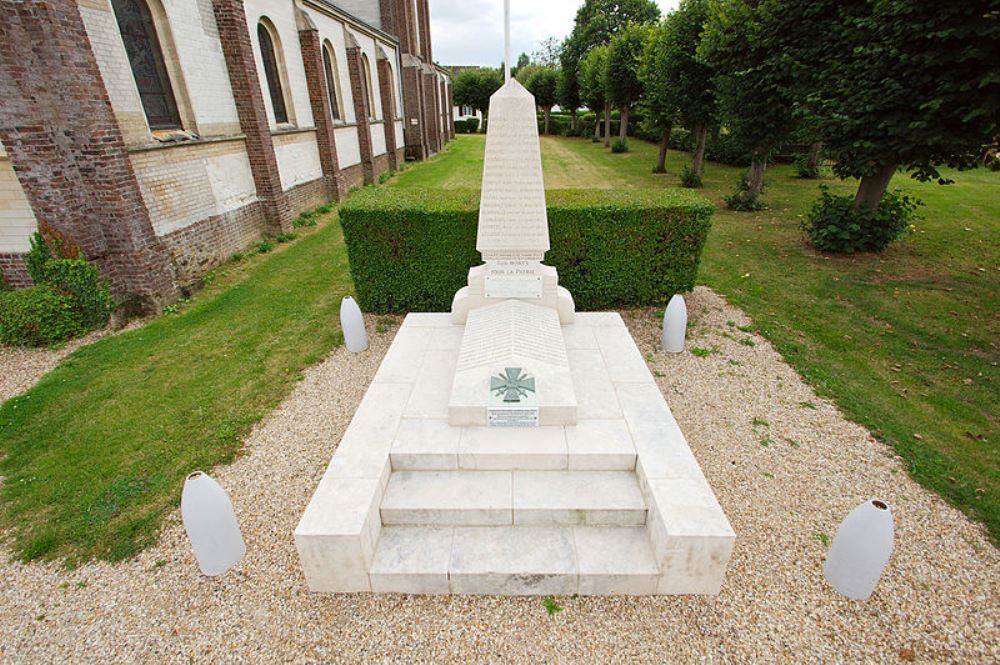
(592, 78)
(621, 75)
(754, 79)
(544, 84)
(897, 82)
(687, 77)
(473, 87)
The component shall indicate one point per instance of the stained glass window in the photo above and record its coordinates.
(331, 80)
(271, 74)
(135, 22)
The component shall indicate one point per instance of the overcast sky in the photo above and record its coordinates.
(470, 32)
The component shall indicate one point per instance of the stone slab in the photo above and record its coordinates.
(446, 498)
(425, 443)
(412, 560)
(577, 498)
(615, 561)
(513, 561)
(600, 445)
(512, 334)
(498, 448)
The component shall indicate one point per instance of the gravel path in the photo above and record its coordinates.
(939, 599)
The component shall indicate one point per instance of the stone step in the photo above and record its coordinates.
(514, 560)
(431, 444)
(499, 498)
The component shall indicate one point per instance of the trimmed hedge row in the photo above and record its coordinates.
(410, 249)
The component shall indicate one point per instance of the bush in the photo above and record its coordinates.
(803, 170)
(835, 225)
(689, 178)
(559, 125)
(38, 316)
(411, 249)
(742, 200)
(467, 126)
(78, 279)
(619, 146)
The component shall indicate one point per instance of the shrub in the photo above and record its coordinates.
(78, 279)
(804, 170)
(467, 126)
(38, 316)
(411, 250)
(264, 246)
(742, 200)
(287, 237)
(619, 146)
(4, 284)
(835, 225)
(689, 178)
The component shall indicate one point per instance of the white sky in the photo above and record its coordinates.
(470, 32)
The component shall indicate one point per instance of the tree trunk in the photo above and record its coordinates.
(548, 109)
(597, 128)
(607, 126)
(623, 126)
(661, 159)
(700, 132)
(572, 121)
(755, 179)
(873, 186)
(486, 116)
(812, 161)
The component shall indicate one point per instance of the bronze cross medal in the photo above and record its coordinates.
(512, 384)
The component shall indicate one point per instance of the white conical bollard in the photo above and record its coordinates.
(860, 550)
(353, 325)
(675, 320)
(210, 522)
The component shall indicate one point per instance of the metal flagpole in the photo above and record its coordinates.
(506, 40)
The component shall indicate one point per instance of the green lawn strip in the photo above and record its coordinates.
(96, 453)
(904, 342)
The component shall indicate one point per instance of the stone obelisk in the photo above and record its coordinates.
(513, 231)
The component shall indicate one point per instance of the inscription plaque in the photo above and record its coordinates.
(513, 401)
(513, 279)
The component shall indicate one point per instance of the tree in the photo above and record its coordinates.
(592, 88)
(658, 102)
(568, 94)
(522, 61)
(544, 84)
(753, 79)
(473, 87)
(685, 78)
(548, 53)
(621, 76)
(596, 21)
(897, 84)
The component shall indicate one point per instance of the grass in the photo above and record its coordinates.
(96, 453)
(905, 342)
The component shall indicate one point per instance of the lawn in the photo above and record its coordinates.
(907, 343)
(96, 453)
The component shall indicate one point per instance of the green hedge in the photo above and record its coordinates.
(38, 316)
(410, 249)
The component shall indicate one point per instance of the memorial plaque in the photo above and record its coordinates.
(513, 279)
(513, 401)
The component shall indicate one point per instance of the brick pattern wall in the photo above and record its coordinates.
(66, 147)
(430, 113)
(13, 270)
(413, 109)
(385, 79)
(319, 99)
(230, 17)
(198, 248)
(364, 124)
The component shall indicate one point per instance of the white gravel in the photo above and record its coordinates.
(939, 599)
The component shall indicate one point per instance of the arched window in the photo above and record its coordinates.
(369, 97)
(391, 85)
(135, 22)
(272, 73)
(332, 80)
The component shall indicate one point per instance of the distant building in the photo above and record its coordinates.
(463, 112)
(162, 136)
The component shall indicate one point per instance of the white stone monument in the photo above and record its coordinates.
(514, 446)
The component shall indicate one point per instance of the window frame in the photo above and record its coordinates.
(173, 119)
(332, 74)
(275, 79)
(367, 83)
